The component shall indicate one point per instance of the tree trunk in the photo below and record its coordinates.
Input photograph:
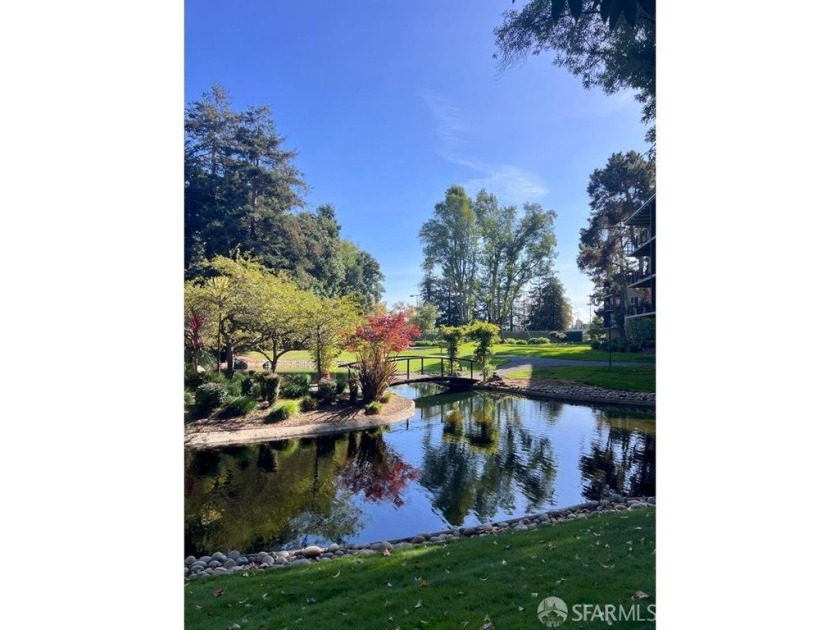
(229, 349)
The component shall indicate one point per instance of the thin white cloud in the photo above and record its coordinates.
(509, 183)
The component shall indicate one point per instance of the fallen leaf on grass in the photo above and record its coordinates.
(218, 591)
(386, 553)
(640, 595)
(418, 604)
(265, 595)
(337, 574)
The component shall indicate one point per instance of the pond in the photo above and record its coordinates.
(461, 460)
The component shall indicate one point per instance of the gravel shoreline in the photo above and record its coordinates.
(575, 392)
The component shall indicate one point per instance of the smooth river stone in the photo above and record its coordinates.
(312, 551)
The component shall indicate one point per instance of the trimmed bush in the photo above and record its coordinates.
(595, 345)
(283, 411)
(271, 383)
(340, 386)
(385, 398)
(534, 341)
(189, 399)
(193, 379)
(234, 385)
(307, 403)
(373, 408)
(640, 328)
(295, 385)
(210, 396)
(326, 391)
(239, 406)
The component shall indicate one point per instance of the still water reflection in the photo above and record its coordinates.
(462, 459)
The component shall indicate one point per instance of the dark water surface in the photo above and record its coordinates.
(461, 460)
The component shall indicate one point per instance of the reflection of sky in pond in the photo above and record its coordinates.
(462, 459)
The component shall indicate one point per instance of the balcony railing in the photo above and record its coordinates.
(634, 275)
(640, 308)
(636, 240)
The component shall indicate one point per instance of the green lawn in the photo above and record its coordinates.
(634, 379)
(574, 351)
(604, 559)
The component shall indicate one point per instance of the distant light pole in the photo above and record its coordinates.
(417, 301)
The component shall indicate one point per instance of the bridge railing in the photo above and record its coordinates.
(429, 362)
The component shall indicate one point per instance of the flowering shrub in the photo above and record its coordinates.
(373, 342)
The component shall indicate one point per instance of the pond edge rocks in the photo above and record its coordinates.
(220, 563)
(572, 392)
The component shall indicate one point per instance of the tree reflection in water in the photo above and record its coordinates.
(621, 458)
(487, 459)
(374, 469)
(474, 456)
(267, 496)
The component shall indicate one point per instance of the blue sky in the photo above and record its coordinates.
(390, 103)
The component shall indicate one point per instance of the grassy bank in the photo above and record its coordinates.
(634, 379)
(572, 351)
(603, 559)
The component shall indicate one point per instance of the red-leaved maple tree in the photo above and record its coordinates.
(374, 342)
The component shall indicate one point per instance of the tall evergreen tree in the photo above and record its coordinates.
(615, 192)
(550, 309)
(239, 180)
(613, 54)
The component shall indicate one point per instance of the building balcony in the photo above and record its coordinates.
(639, 309)
(637, 278)
(641, 246)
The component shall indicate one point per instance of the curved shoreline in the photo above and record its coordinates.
(401, 409)
(233, 561)
(203, 436)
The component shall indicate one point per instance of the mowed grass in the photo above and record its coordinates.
(603, 559)
(634, 379)
(573, 352)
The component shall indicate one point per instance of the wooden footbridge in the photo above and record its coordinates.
(435, 369)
